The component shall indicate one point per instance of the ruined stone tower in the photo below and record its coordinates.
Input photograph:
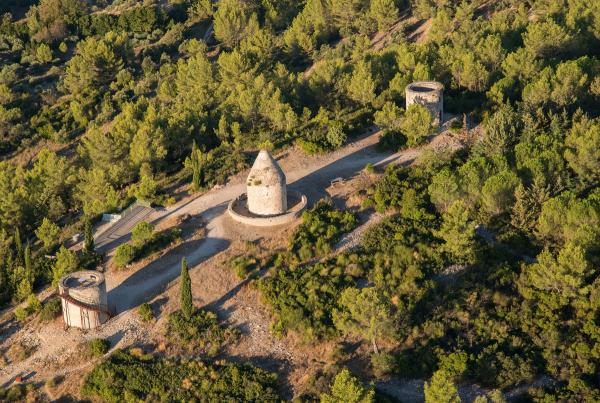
(430, 94)
(84, 300)
(266, 186)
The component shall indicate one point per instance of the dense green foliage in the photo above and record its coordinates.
(303, 297)
(243, 265)
(198, 332)
(503, 317)
(145, 312)
(503, 321)
(320, 230)
(441, 389)
(141, 19)
(51, 309)
(144, 242)
(125, 376)
(98, 347)
(347, 388)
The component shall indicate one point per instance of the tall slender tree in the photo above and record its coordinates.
(88, 233)
(19, 246)
(187, 306)
(28, 266)
(196, 179)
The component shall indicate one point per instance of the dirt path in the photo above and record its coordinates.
(352, 239)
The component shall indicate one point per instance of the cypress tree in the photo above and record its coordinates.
(5, 285)
(28, 267)
(18, 246)
(187, 306)
(88, 234)
(196, 180)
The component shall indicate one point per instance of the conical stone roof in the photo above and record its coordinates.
(266, 186)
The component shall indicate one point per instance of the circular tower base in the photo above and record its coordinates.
(238, 210)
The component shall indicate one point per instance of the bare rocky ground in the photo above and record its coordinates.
(57, 351)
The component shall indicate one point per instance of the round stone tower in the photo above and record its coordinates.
(83, 297)
(430, 94)
(266, 187)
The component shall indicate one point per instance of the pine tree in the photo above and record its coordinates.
(366, 313)
(66, 262)
(361, 87)
(348, 388)
(501, 133)
(417, 124)
(146, 188)
(441, 389)
(187, 306)
(88, 234)
(43, 54)
(48, 233)
(233, 21)
(523, 215)
(385, 13)
(24, 290)
(458, 232)
(498, 192)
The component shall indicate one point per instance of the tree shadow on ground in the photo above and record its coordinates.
(218, 304)
(115, 338)
(157, 306)
(314, 185)
(158, 276)
(8, 328)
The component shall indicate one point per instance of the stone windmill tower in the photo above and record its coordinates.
(430, 94)
(266, 187)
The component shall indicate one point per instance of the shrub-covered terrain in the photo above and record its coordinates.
(454, 300)
(144, 241)
(321, 228)
(200, 332)
(133, 375)
(302, 297)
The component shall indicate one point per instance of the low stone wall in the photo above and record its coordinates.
(293, 213)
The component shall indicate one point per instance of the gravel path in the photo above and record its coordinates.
(352, 239)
